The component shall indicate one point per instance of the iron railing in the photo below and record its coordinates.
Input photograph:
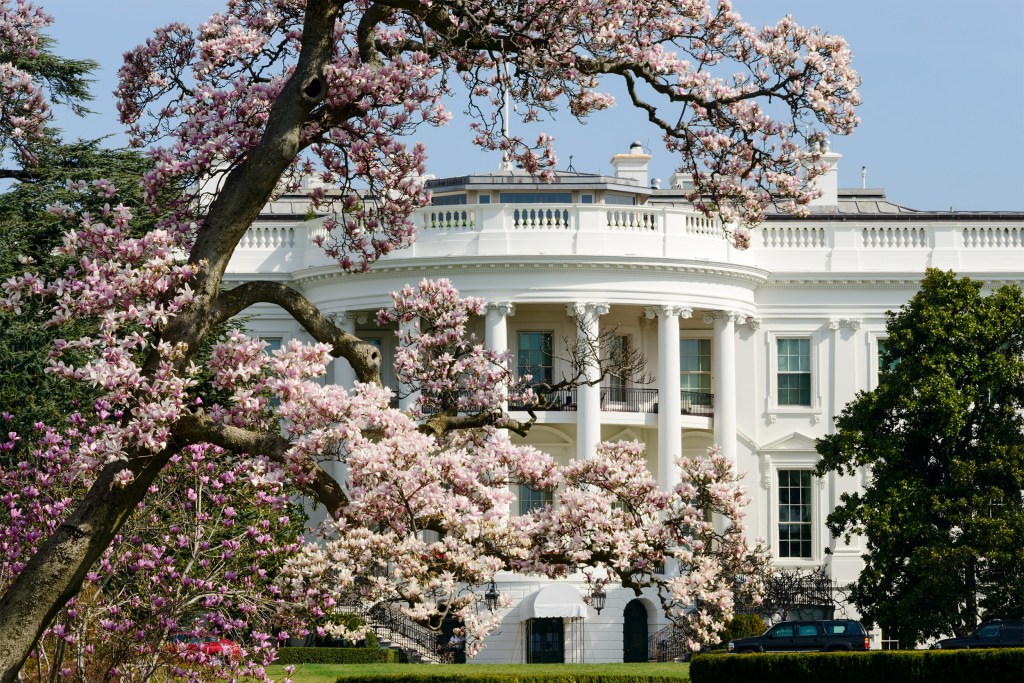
(668, 644)
(390, 624)
(623, 400)
(613, 400)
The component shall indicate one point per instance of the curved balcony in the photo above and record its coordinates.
(624, 400)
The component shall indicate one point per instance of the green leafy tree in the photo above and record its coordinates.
(943, 439)
(28, 236)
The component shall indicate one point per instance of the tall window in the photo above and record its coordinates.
(534, 357)
(794, 368)
(695, 368)
(532, 499)
(795, 513)
(618, 355)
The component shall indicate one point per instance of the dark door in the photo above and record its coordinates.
(547, 641)
(634, 632)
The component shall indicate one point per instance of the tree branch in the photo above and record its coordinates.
(199, 428)
(365, 358)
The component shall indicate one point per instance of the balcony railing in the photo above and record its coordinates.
(623, 400)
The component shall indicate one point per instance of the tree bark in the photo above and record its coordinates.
(56, 572)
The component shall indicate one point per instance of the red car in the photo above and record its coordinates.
(208, 645)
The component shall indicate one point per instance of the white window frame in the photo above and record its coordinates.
(819, 534)
(772, 352)
(873, 339)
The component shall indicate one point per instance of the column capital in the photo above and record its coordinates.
(342, 317)
(667, 311)
(731, 316)
(577, 309)
(505, 308)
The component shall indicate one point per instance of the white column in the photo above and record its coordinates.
(670, 419)
(588, 396)
(496, 329)
(343, 374)
(724, 355)
(405, 329)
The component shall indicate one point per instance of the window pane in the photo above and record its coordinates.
(532, 499)
(795, 513)
(534, 356)
(794, 372)
(695, 365)
(535, 198)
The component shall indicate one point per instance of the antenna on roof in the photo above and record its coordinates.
(863, 177)
(571, 168)
(506, 162)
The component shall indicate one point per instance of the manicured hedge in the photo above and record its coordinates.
(483, 677)
(892, 666)
(335, 655)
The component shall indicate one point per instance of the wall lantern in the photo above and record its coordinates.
(491, 596)
(597, 598)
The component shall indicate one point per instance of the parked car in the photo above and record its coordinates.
(806, 636)
(997, 633)
(208, 645)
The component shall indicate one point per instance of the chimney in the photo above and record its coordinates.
(632, 166)
(829, 182)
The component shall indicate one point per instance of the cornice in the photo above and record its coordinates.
(723, 273)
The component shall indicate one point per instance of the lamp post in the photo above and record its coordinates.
(491, 596)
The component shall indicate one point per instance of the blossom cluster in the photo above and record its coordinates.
(24, 109)
(199, 560)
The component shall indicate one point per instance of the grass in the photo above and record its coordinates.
(329, 673)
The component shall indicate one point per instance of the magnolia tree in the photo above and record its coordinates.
(266, 92)
(199, 560)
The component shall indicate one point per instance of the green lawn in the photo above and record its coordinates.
(329, 673)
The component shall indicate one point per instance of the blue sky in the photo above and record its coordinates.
(942, 119)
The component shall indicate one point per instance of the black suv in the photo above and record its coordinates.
(998, 633)
(806, 636)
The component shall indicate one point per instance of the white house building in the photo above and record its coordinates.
(755, 350)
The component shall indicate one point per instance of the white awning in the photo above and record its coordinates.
(556, 600)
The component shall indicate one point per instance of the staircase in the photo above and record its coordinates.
(668, 644)
(415, 643)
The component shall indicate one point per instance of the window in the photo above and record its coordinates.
(535, 198)
(885, 362)
(795, 513)
(448, 200)
(534, 357)
(695, 370)
(618, 356)
(618, 199)
(532, 499)
(785, 631)
(794, 371)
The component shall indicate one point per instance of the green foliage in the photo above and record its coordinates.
(335, 655)
(893, 666)
(744, 626)
(741, 626)
(27, 230)
(943, 436)
(480, 677)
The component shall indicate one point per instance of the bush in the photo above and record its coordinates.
(335, 655)
(893, 666)
(741, 626)
(484, 677)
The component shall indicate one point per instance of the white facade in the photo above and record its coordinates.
(782, 335)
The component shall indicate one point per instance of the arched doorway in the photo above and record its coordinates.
(634, 632)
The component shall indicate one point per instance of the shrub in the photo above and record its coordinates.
(335, 655)
(484, 677)
(894, 666)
